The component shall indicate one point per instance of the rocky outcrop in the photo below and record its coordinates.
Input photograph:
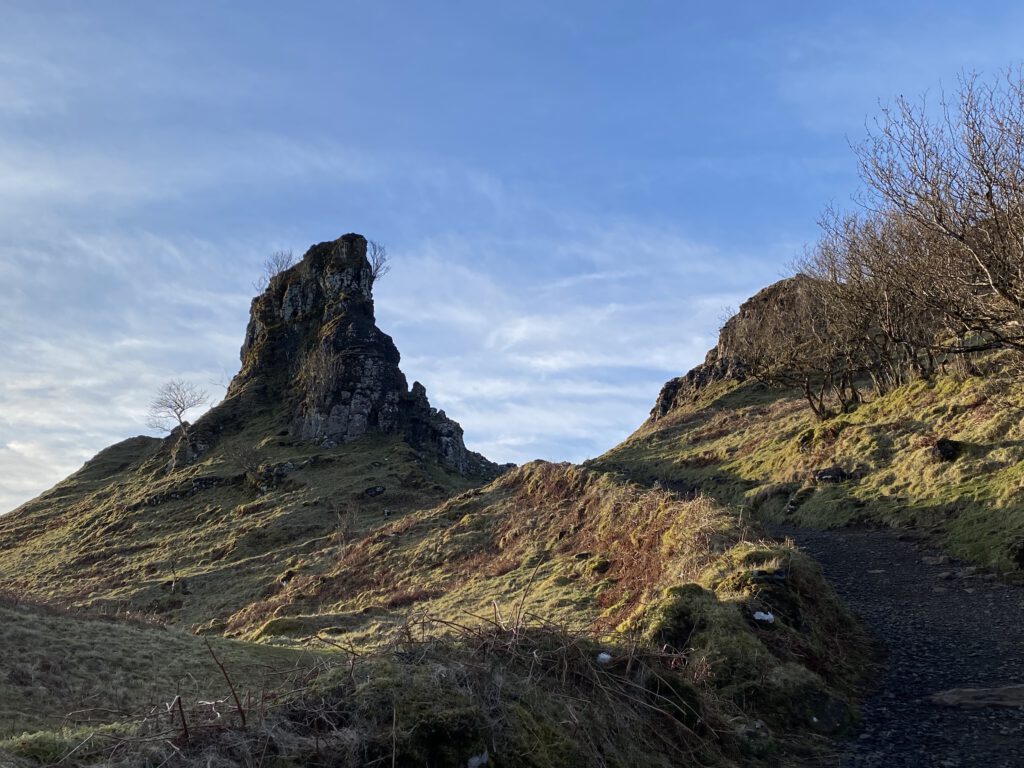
(723, 362)
(312, 344)
(682, 389)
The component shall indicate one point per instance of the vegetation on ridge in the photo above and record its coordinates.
(931, 271)
(195, 544)
(943, 455)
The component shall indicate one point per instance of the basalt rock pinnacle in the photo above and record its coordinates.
(313, 345)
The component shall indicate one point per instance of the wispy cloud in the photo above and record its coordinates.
(551, 262)
(559, 368)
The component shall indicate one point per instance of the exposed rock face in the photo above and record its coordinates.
(312, 343)
(722, 362)
(681, 389)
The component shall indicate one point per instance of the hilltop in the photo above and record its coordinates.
(326, 526)
(318, 438)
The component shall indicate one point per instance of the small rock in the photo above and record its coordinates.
(771, 577)
(375, 490)
(1008, 696)
(935, 560)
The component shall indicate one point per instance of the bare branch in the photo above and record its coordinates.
(275, 264)
(377, 255)
(173, 400)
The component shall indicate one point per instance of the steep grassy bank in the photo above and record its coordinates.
(943, 455)
(495, 695)
(560, 545)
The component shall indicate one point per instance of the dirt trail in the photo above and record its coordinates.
(940, 627)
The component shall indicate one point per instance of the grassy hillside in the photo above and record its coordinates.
(194, 544)
(760, 449)
(558, 616)
(495, 695)
(560, 545)
(59, 668)
(460, 619)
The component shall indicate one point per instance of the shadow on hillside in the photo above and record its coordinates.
(955, 525)
(981, 527)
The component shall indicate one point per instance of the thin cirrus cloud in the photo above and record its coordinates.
(101, 311)
(525, 379)
(128, 309)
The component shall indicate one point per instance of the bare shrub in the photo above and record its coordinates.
(273, 265)
(173, 400)
(377, 255)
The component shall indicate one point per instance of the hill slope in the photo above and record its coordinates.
(318, 438)
(943, 454)
(65, 669)
(524, 614)
(534, 618)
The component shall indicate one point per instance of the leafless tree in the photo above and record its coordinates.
(275, 264)
(173, 400)
(870, 269)
(248, 457)
(958, 175)
(787, 337)
(931, 271)
(377, 255)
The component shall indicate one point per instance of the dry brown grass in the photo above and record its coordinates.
(524, 692)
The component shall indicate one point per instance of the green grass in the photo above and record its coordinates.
(125, 534)
(471, 623)
(557, 544)
(59, 669)
(689, 679)
(468, 615)
(758, 448)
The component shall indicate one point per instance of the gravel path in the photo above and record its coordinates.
(939, 627)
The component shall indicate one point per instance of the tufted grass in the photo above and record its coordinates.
(757, 448)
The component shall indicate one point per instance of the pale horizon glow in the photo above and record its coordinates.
(571, 194)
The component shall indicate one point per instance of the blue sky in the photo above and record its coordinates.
(571, 193)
